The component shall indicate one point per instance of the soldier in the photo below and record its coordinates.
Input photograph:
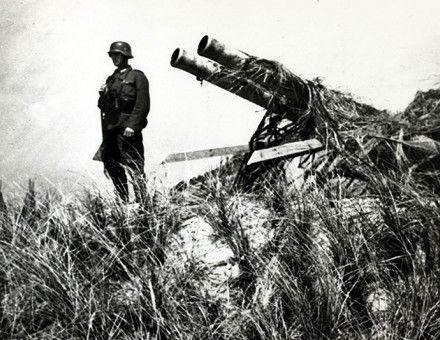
(124, 101)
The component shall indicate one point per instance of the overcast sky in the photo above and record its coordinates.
(53, 61)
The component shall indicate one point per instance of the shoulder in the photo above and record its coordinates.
(110, 78)
(138, 73)
(135, 71)
(138, 76)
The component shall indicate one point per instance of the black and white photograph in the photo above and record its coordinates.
(220, 170)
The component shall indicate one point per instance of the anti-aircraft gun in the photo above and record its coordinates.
(355, 136)
(253, 80)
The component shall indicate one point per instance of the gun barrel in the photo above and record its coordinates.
(267, 74)
(215, 50)
(227, 79)
(199, 67)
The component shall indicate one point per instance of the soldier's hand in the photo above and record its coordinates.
(103, 88)
(128, 132)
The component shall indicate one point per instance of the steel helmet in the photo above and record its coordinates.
(121, 47)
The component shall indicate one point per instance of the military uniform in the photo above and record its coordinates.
(124, 102)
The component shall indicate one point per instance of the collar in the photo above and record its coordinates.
(123, 70)
(121, 73)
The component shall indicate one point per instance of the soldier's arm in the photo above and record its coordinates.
(138, 116)
(103, 100)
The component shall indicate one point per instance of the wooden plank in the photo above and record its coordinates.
(193, 155)
(284, 150)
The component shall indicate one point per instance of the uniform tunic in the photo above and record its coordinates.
(127, 101)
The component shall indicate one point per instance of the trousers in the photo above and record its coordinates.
(123, 157)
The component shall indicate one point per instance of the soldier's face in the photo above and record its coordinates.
(117, 58)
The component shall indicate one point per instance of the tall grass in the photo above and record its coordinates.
(324, 266)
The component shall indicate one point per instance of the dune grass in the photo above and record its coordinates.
(331, 267)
